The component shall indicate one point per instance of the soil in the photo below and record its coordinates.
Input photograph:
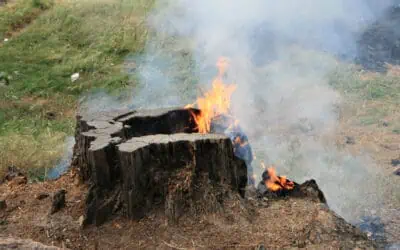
(287, 223)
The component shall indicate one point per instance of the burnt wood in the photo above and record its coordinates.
(143, 160)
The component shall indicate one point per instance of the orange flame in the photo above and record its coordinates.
(215, 102)
(275, 182)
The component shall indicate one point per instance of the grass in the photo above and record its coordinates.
(33, 154)
(18, 14)
(48, 42)
(354, 83)
(376, 95)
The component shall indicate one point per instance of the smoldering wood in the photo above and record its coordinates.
(309, 189)
(139, 161)
(226, 124)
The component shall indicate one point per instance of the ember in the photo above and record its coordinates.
(275, 183)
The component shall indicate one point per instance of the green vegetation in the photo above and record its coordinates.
(378, 95)
(354, 83)
(48, 42)
(17, 14)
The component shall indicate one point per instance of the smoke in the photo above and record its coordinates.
(65, 162)
(280, 53)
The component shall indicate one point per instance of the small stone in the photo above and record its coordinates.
(350, 140)
(58, 201)
(3, 204)
(397, 172)
(41, 196)
(74, 77)
(260, 247)
(5, 40)
(385, 124)
(395, 162)
(81, 220)
(13, 172)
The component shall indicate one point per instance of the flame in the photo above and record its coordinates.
(216, 101)
(275, 182)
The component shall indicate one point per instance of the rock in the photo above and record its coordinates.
(3, 204)
(81, 220)
(41, 196)
(260, 247)
(74, 77)
(17, 243)
(385, 123)
(350, 140)
(397, 172)
(58, 201)
(13, 172)
(395, 162)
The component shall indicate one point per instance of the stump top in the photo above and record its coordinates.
(138, 142)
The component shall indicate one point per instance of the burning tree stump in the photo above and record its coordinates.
(150, 159)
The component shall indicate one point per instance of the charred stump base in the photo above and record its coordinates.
(309, 189)
(141, 161)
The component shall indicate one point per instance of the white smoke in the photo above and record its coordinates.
(280, 54)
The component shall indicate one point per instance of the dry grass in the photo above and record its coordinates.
(30, 153)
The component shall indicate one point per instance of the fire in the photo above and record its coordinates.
(216, 101)
(275, 182)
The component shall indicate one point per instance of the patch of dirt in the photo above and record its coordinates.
(378, 141)
(244, 224)
(34, 101)
(377, 138)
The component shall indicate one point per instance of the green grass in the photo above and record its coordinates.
(48, 42)
(377, 94)
(348, 80)
(82, 36)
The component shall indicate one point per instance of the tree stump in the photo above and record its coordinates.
(145, 160)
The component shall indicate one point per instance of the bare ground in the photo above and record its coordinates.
(243, 224)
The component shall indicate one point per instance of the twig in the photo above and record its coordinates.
(172, 246)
